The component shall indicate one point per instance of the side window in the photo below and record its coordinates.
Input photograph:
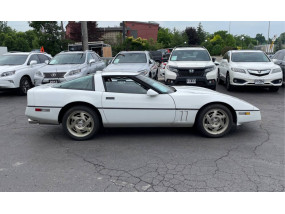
(276, 55)
(43, 58)
(89, 56)
(124, 85)
(34, 57)
(95, 57)
(83, 83)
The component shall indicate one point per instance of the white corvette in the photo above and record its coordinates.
(124, 99)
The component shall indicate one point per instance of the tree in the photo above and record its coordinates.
(230, 41)
(178, 38)
(164, 36)
(201, 34)
(192, 36)
(223, 34)
(49, 36)
(260, 38)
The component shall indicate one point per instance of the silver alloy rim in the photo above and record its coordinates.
(25, 86)
(80, 123)
(216, 121)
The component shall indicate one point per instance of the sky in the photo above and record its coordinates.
(250, 28)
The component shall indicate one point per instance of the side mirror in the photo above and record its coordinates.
(151, 93)
(33, 62)
(213, 59)
(46, 61)
(150, 61)
(91, 61)
(274, 60)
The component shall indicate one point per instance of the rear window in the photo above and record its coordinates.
(82, 83)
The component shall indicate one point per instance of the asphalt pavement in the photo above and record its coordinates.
(42, 158)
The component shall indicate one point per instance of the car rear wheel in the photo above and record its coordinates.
(81, 123)
(228, 83)
(215, 121)
(219, 81)
(25, 85)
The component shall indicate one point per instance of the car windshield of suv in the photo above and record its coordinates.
(68, 58)
(130, 58)
(157, 85)
(249, 57)
(190, 55)
(13, 59)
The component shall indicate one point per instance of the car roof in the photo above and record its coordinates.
(115, 73)
(24, 53)
(190, 48)
(236, 51)
(132, 51)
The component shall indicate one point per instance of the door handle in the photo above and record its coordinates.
(110, 98)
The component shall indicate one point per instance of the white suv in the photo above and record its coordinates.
(249, 68)
(17, 70)
(191, 66)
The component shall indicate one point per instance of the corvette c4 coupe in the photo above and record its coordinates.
(124, 99)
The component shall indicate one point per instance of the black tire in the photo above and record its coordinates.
(274, 88)
(219, 81)
(24, 86)
(229, 87)
(71, 132)
(156, 75)
(201, 121)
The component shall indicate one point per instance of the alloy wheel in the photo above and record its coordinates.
(80, 123)
(216, 121)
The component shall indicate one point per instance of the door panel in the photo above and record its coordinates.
(138, 109)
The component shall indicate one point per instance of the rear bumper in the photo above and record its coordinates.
(49, 115)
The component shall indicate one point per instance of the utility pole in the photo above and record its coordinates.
(124, 31)
(230, 27)
(62, 31)
(84, 33)
(267, 48)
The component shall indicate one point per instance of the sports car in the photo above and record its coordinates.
(125, 99)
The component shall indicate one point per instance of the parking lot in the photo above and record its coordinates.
(42, 158)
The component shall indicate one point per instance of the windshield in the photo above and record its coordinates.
(13, 59)
(74, 58)
(157, 85)
(130, 58)
(190, 55)
(249, 57)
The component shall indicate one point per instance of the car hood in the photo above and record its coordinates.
(5, 68)
(134, 67)
(253, 65)
(192, 97)
(60, 68)
(191, 64)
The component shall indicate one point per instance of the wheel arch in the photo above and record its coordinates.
(221, 103)
(70, 105)
(28, 76)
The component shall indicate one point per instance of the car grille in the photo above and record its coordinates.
(55, 75)
(259, 73)
(191, 72)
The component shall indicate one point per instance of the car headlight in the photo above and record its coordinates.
(143, 72)
(171, 68)
(276, 70)
(8, 73)
(39, 74)
(74, 72)
(240, 70)
(210, 69)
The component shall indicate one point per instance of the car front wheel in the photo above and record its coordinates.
(229, 86)
(215, 121)
(81, 123)
(25, 85)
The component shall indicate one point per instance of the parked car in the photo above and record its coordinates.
(249, 68)
(165, 53)
(139, 62)
(69, 65)
(127, 99)
(156, 56)
(279, 59)
(191, 66)
(17, 70)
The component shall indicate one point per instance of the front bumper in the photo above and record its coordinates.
(245, 118)
(7, 83)
(240, 79)
(208, 80)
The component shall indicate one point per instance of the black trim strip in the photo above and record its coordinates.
(45, 106)
(184, 109)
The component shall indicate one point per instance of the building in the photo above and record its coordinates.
(111, 35)
(145, 30)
